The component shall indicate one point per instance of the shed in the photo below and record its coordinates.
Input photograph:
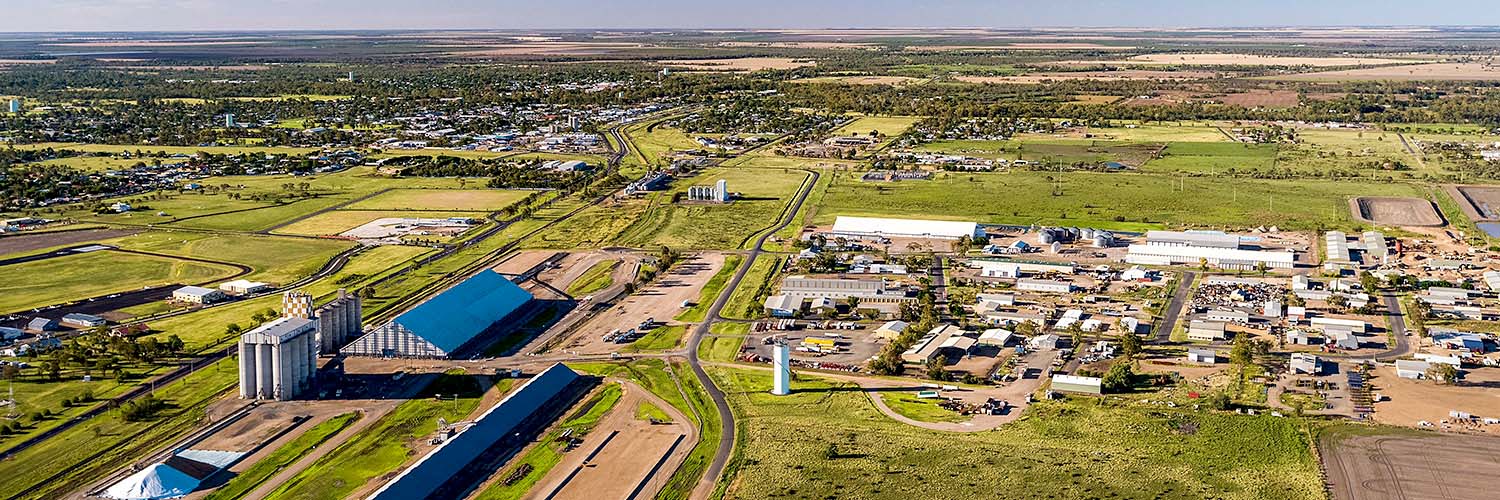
(1412, 369)
(1071, 383)
(1206, 356)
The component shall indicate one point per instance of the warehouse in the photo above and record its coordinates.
(1222, 258)
(891, 329)
(456, 465)
(243, 287)
(1071, 383)
(197, 295)
(1412, 369)
(862, 227)
(1201, 239)
(1204, 356)
(80, 320)
(868, 290)
(1306, 363)
(447, 323)
(1352, 325)
(1206, 331)
(1046, 286)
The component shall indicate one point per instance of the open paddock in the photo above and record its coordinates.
(1419, 72)
(1375, 465)
(623, 453)
(440, 199)
(1259, 98)
(740, 64)
(1228, 59)
(1098, 76)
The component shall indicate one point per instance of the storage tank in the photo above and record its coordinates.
(1102, 240)
(1088, 233)
(1045, 236)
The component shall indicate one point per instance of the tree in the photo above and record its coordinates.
(1260, 267)
(1338, 302)
(1202, 264)
(1130, 346)
(1443, 372)
(1243, 353)
(1117, 379)
(936, 370)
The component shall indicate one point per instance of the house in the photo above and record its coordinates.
(1083, 385)
(42, 325)
(1206, 331)
(782, 306)
(891, 329)
(197, 295)
(1205, 356)
(1130, 325)
(80, 320)
(1412, 369)
(1306, 363)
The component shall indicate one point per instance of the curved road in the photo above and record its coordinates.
(726, 418)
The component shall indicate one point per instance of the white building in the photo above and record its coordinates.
(1205, 356)
(1045, 286)
(1071, 383)
(1306, 363)
(994, 269)
(197, 295)
(1352, 325)
(1412, 369)
(1222, 258)
(1206, 331)
(861, 227)
(1202, 239)
(243, 287)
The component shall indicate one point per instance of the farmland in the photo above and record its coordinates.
(487, 200)
(93, 274)
(763, 195)
(820, 442)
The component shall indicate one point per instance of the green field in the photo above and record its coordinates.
(247, 481)
(822, 443)
(383, 448)
(75, 277)
(745, 301)
(660, 339)
(888, 126)
(261, 219)
(273, 259)
(1122, 201)
(1163, 132)
(724, 341)
(764, 194)
(596, 278)
(476, 200)
(1213, 158)
(548, 452)
(924, 410)
(334, 222)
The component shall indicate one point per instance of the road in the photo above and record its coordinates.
(1174, 308)
(726, 418)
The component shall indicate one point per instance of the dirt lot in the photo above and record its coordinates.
(738, 64)
(659, 301)
(1434, 71)
(1396, 211)
(524, 261)
(540, 49)
(1480, 203)
(1411, 467)
(1409, 401)
(1260, 99)
(36, 241)
(1243, 60)
(622, 452)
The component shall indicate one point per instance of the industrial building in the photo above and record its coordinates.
(1200, 239)
(197, 295)
(1412, 369)
(80, 320)
(447, 323)
(717, 193)
(1306, 363)
(1072, 383)
(1204, 356)
(1206, 331)
(279, 360)
(1045, 286)
(441, 473)
(1222, 258)
(864, 227)
(243, 287)
(868, 290)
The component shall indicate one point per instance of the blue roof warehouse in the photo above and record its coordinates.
(447, 323)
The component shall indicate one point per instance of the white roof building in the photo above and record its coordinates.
(1223, 258)
(908, 228)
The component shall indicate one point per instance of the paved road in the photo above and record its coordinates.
(726, 418)
(1174, 308)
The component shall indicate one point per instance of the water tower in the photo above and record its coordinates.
(781, 364)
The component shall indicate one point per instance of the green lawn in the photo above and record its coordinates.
(661, 339)
(1124, 201)
(647, 411)
(75, 277)
(711, 290)
(273, 259)
(547, 452)
(383, 448)
(288, 453)
(821, 443)
(746, 301)
(725, 342)
(263, 218)
(596, 278)
(924, 410)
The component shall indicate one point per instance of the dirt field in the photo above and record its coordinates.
(1396, 211)
(1222, 59)
(1260, 99)
(1019, 46)
(540, 49)
(620, 453)
(863, 80)
(1411, 467)
(1433, 71)
(801, 45)
(1409, 401)
(36, 241)
(659, 301)
(1101, 76)
(738, 64)
(1480, 203)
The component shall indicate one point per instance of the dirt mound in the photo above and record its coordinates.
(1396, 211)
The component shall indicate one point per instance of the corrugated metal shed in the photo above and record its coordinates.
(447, 322)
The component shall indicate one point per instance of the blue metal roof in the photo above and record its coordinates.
(456, 316)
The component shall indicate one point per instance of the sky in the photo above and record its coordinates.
(208, 15)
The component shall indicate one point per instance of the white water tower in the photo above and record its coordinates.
(781, 364)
